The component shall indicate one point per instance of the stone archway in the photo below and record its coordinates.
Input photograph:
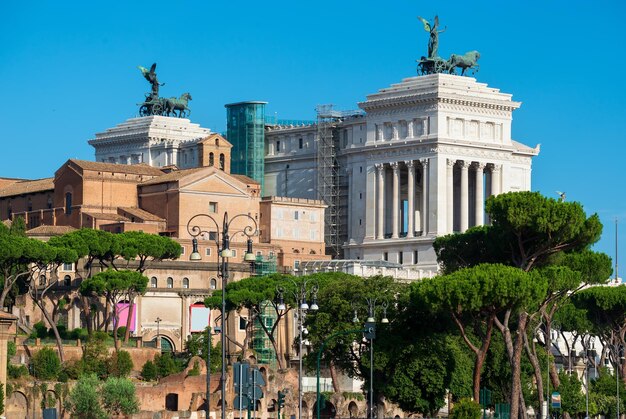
(327, 411)
(353, 410)
(17, 406)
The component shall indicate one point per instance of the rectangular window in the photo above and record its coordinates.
(415, 257)
(68, 267)
(295, 215)
(243, 322)
(300, 143)
(213, 207)
(360, 195)
(212, 235)
(259, 253)
(296, 265)
(385, 256)
(233, 253)
(360, 169)
(401, 258)
(182, 250)
(277, 145)
(207, 251)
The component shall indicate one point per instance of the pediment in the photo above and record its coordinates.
(213, 181)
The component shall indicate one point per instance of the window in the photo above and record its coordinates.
(360, 195)
(360, 221)
(360, 169)
(211, 159)
(207, 251)
(182, 250)
(153, 282)
(243, 322)
(212, 206)
(185, 283)
(300, 143)
(259, 253)
(170, 282)
(277, 145)
(222, 161)
(296, 265)
(68, 203)
(295, 215)
(213, 284)
(67, 281)
(233, 253)
(415, 257)
(68, 267)
(385, 256)
(212, 235)
(400, 257)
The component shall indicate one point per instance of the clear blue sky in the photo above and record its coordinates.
(68, 69)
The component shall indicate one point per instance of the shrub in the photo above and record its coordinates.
(72, 369)
(46, 364)
(121, 331)
(84, 399)
(95, 355)
(78, 333)
(17, 371)
(118, 397)
(149, 371)
(165, 365)
(120, 364)
(466, 409)
(39, 330)
(195, 370)
(62, 329)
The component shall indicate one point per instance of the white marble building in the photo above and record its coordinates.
(155, 140)
(420, 164)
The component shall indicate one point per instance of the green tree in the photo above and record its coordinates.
(474, 297)
(149, 371)
(120, 364)
(112, 285)
(196, 346)
(572, 397)
(466, 409)
(95, 354)
(46, 364)
(165, 365)
(83, 401)
(119, 397)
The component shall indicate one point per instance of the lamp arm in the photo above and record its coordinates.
(249, 230)
(195, 230)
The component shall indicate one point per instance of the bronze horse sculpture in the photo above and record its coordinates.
(468, 60)
(178, 104)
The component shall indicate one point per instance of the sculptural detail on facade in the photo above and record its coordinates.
(433, 63)
(155, 105)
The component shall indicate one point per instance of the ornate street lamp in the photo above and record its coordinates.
(224, 252)
(300, 296)
(158, 339)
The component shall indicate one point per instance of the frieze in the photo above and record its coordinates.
(475, 110)
(402, 111)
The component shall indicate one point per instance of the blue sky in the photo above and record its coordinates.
(68, 70)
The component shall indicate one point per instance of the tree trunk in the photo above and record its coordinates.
(516, 366)
(54, 329)
(534, 361)
(333, 376)
(131, 306)
(478, 366)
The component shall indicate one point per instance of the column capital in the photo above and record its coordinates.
(424, 162)
(451, 163)
(379, 166)
(480, 166)
(409, 164)
(495, 167)
(395, 166)
(464, 164)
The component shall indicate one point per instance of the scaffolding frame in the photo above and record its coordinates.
(329, 176)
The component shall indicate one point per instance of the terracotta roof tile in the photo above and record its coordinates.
(49, 230)
(106, 216)
(245, 179)
(27, 186)
(171, 177)
(135, 169)
(142, 214)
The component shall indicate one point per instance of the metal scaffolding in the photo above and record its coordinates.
(329, 175)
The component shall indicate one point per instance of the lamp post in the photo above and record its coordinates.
(223, 252)
(209, 336)
(300, 296)
(158, 339)
(618, 360)
(370, 334)
(591, 341)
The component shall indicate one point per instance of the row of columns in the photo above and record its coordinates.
(412, 128)
(411, 181)
(463, 195)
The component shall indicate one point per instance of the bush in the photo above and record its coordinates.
(46, 364)
(120, 364)
(95, 355)
(466, 409)
(118, 397)
(17, 371)
(195, 370)
(62, 329)
(39, 331)
(84, 399)
(165, 365)
(121, 331)
(149, 371)
(78, 333)
(73, 370)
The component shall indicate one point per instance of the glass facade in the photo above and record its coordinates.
(245, 130)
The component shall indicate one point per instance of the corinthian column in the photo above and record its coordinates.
(411, 197)
(380, 211)
(450, 195)
(464, 196)
(480, 195)
(395, 219)
(425, 191)
(495, 179)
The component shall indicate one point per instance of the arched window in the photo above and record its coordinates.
(211, 159)
(67, 280)
(222, 161)
(217, 142)
(153, 282)
(170, 282)
(213, 284)
(68, 203)
(185, 283)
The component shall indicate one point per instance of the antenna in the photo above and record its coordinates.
(616, 276)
